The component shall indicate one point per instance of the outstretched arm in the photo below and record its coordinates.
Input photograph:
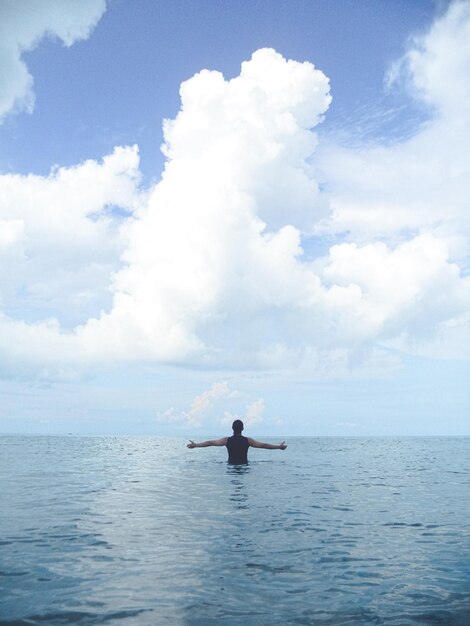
(205, 444)
(269, 446)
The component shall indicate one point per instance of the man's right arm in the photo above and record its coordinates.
(206, 444)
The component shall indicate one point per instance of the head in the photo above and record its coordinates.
(237, 427)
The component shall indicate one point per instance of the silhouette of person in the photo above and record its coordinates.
(237, 444)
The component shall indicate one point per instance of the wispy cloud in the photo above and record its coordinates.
(23, 24)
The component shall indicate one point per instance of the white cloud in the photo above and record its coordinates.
(59, 245)
(387, 291)
(215, 270)
(420, 184)
(23, 23)
(201, 406)
(253, 415)
(450, 341)
(436, 63)
(415, 196)
(202, 403)
(219, 237)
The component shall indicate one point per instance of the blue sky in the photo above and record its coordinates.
(297, 255)
(117, 86)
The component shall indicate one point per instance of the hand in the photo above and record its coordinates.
(191, 444)
(282, 446)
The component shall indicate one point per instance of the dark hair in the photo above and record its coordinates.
(237, 427)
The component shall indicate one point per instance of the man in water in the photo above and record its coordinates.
(237, 445)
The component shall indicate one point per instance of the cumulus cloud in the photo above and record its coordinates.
(215, 263)
(201, 407)
(415, 194)
(23, 23)
(205, 407)
(60, 242)
(220, 237)
(253, 413)
(220, 265)
(202, 403)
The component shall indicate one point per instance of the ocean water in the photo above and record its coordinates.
(143, 532)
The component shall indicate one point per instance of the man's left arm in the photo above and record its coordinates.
(268, 446)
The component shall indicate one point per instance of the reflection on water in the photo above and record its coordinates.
(239, 495)
(141, 532)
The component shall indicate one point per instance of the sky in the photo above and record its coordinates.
(254, 210)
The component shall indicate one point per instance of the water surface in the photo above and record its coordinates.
(143, 532)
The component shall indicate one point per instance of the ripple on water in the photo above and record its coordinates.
(92, 534)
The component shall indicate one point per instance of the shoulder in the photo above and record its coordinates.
(219, 442)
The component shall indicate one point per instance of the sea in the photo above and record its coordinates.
(129, 531)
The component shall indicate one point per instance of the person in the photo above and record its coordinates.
(237, 444)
